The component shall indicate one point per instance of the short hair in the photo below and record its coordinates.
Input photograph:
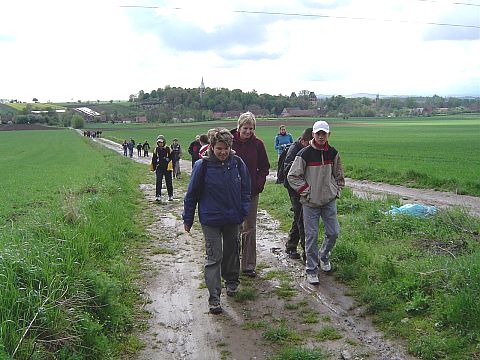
(220, 135)
(307, 134)
(282, 127)
(203, 139)
(246, 118)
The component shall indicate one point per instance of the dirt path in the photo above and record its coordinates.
(180, 326)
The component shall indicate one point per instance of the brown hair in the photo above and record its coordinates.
(220, 135)
(203, 139)
(307, 134)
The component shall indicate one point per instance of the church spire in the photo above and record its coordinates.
(202, 89)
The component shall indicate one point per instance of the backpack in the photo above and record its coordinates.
(203, 171)
(281, 170)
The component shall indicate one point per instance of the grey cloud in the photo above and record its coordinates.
(324, 75)
(466, 16)
(250, 55)
(324, 5)
(247, 30)
(6, 38)
(452, 33)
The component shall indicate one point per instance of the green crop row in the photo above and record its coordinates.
(439, 153)
(65, 223)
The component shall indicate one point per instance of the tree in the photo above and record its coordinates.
(27, 109)
(35, 100)
(77, 122)
(411, 103)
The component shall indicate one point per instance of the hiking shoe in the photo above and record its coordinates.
(293, 254)
(215, 309)
(250, 273)
(170, 198)
(312, 279)
(325, 265)
(232, 291)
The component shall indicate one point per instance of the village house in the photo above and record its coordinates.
(297, 112)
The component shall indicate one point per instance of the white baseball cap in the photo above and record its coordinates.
(321, 126)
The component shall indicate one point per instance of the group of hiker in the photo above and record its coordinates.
(92, 133)
(129, 147)
(229, 171)
(226, 182)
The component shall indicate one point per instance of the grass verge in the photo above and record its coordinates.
(418, 277)
(65, 274)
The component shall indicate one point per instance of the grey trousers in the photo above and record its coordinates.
(248, 235)
(311, 218)
(222, 259)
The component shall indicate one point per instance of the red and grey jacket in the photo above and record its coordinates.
(317, 175)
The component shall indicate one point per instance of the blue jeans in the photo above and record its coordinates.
(311, 218)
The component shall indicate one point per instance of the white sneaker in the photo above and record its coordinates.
(158, 198)
(325, 265)
(170, 198)
(312, 279)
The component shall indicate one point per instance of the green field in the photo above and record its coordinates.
(65, 220)
(439, 153)
(35, 106)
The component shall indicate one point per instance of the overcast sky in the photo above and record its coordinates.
(108, 49)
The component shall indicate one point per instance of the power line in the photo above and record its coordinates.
(360, 18)
(356, 18)
(450, 3)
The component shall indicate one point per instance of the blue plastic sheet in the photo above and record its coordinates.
(413, 209)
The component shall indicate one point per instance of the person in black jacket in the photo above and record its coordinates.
(161, 159)
(176, 156)
(194, 149)
(146, 148)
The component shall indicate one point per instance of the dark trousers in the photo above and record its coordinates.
(297, 230)
(168, 181)
(222, 259)
(193, 160)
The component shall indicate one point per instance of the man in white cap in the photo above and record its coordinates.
(317, 176)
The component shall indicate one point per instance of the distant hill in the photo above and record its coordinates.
(373, 96)
(5, 109)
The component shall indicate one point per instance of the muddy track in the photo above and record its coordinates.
(180, 327)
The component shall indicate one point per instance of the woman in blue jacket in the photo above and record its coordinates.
(220, 185)
(282, 139)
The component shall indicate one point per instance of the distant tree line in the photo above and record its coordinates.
(50, 117)
(172, 104)
(176, 102)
